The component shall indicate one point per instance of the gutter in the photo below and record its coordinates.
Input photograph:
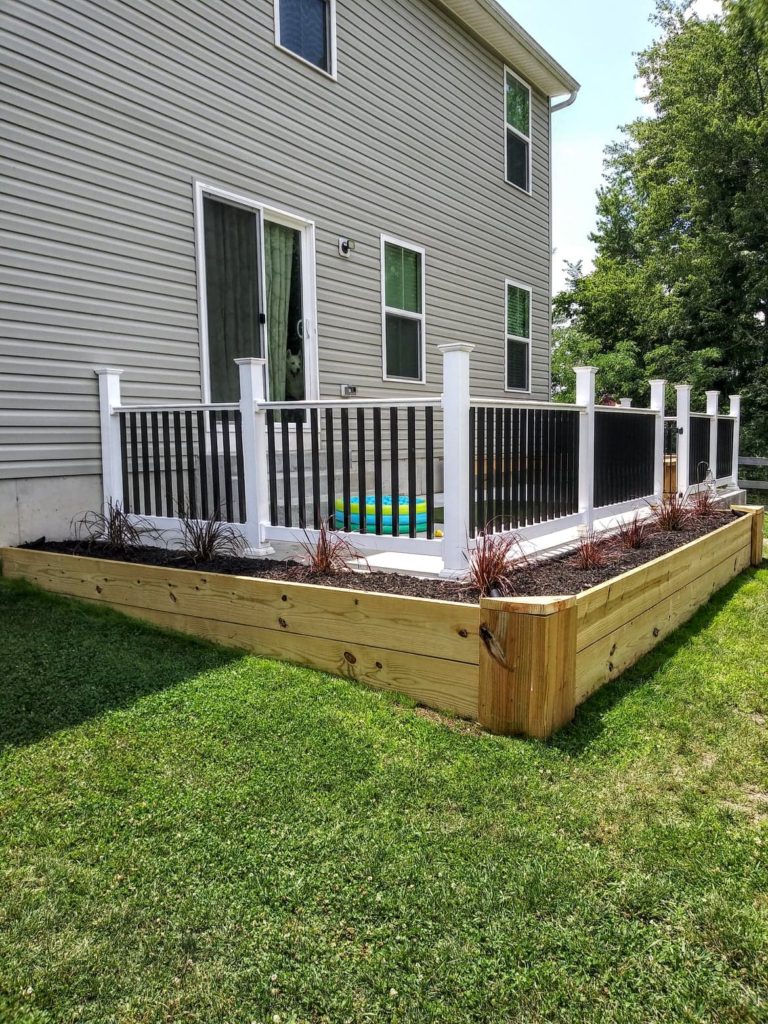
(564, 103)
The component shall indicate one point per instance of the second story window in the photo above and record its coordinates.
(403, 310)
(517, 100)
(307, 29)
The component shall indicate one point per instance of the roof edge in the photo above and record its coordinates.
(498, 29)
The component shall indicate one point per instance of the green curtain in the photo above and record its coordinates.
(279, 245)
(518, 312)
(232, 293)
(518, 106)
(402, 278)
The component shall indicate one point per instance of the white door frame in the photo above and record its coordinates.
(273, 214)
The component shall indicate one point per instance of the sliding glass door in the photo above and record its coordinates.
(256, 287)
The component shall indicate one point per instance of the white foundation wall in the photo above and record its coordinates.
(43, 506)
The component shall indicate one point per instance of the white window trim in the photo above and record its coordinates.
(411, 246)
(511, 283)
(526, 138)
(266, 212)
(332, 73)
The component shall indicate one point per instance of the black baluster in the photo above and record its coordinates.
(361, 483)
(202, 449)
(430, 469)
(377, 482)
(191, 465)
(146, 508)
(240, 467)
(228, 470)
(300, 485)
(133, 425)
(156, 464)
(167, 465)
(286, 460)
(346, 486)
(480, 470)
(472, 473)
(124, 461)
(394, 455)
(330, 468)
(180, 496)
(314, 435)
(215, 478)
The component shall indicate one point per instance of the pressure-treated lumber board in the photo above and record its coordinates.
(407, 624)
(609, 656)
(757, 513)
(527, 662)
(444, 685)
(604, 608)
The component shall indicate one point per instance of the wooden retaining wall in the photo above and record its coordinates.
(518, 665)
(540, 659)
(426, 649)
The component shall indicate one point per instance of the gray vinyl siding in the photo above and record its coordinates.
(112, 109)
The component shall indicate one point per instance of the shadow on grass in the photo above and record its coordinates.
(589, 722)
(63, 662)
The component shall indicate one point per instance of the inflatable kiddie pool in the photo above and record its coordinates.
(403, 517)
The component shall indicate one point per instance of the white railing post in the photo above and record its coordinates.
(683, 437)
(111, 456)
(256, 482)
(735, 411)
(713, 404)
(658, 404)
(455, 456)
(585, 397)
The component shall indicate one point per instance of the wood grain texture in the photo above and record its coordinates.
(354, 637)
(612, 654)
(527, 665)
(606, 607)
(408, 624)
(757, 516)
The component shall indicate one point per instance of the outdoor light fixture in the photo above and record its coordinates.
(346, 246)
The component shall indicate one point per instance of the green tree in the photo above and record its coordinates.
(680, 284)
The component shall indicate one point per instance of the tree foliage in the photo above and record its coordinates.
(680, 284)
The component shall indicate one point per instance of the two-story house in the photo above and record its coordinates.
(335, 184)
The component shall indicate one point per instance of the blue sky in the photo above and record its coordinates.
(595, 41)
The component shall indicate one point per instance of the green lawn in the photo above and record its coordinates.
(187, 834)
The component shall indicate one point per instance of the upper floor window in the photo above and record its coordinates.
(517, 101)
(518, 320)
(402, 310)
(308, 29)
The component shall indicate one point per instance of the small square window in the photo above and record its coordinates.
(403, 310)
(518, 340)
(305, 27)
(517, 107)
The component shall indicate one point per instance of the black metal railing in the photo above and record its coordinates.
(625, 444)
(670, 436)
(361, 469)
(698, 448)
(183, 462)
(725, 435)
(523, 466)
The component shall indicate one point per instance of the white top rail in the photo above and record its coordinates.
(513, 403)
(631, 409)
(353, 403)
(184, 407)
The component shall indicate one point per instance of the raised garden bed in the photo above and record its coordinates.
(518, 665)
(554, 575)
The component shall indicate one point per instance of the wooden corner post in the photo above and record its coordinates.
(527, 665)
(757, 513)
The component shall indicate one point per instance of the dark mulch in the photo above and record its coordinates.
(556, 575)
